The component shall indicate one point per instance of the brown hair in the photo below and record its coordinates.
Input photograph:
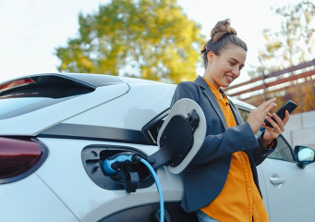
(221, 35)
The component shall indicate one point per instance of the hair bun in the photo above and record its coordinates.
(221, 29)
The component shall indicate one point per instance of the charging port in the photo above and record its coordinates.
(93, 157)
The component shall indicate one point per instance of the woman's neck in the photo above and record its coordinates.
(208, 77)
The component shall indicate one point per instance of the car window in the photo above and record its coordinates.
(151, 129)
(283, 150)
(244, 113)
(28, 94)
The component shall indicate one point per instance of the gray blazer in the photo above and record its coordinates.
(205, 176)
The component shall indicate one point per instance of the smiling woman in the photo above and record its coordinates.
(224, 65)
(230, 148)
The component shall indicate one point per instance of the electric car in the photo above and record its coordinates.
(57, 130)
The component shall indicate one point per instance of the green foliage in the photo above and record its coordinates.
(293, 43)
(151, 39)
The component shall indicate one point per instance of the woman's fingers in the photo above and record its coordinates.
(273, 129)
(269, 114)
(272, 132)
(274, 125)
(286, 117)
(278, 122)
(267, 104)
(269, 107)
(257, 116)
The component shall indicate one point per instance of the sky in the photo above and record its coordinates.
(32, 29)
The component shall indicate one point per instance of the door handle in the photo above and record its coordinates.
(277, 181)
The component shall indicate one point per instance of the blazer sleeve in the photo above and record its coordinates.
(261, 152)
(238, 138)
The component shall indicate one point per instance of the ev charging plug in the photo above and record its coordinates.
(112, 164)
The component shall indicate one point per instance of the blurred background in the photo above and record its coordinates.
(161, 40)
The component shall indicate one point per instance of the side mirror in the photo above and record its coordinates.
(305, 155)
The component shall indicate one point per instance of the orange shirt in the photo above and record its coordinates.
(239, 200)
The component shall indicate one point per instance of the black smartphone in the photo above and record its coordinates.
(290, 106)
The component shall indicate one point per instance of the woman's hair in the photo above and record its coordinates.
(221, 35)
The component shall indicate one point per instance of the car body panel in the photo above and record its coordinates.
(293, 199)
(263, 190)
(242, 104)
(129, 115)
(89, 202)
(30, 199)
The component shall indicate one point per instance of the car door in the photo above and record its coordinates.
(290, 192)
(289, 188)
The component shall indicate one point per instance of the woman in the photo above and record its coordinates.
(221, 182)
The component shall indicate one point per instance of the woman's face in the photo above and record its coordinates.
(224, 69)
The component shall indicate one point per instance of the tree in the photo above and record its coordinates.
(151, 39)
(293, 43)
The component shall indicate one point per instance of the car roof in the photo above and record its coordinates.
(106, 88)
(241, 104)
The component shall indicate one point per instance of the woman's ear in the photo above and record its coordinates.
(210, 57)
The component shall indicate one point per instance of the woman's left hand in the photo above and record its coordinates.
(277, 128)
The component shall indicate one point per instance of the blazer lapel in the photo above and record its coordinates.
(213, 101)
(237, 117)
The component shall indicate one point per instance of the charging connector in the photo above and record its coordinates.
(113, 164)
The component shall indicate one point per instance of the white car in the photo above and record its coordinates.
(56, 130)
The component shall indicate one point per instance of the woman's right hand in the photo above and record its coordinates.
(257, 116)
